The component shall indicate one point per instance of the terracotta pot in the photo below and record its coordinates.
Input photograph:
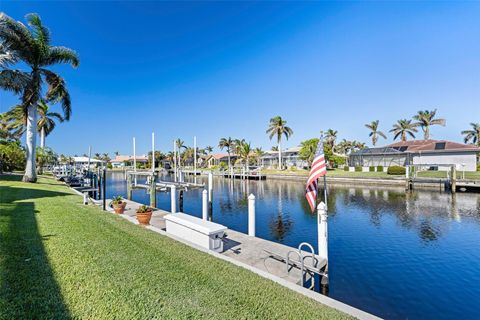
(144, 218)
(119, 207)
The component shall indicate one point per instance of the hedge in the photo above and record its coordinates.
(396, 170)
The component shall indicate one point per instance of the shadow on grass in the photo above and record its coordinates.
(28, 289)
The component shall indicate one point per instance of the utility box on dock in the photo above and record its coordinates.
(195, 230)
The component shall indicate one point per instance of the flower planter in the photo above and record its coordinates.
(144, 218)
(119, 207)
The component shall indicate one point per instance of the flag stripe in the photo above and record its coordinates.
(319, 169)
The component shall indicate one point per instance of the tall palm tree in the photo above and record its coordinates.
(32, 47)
(403, 128)
(426, 119)
(473, 134)
(331, 137)
(278, 127)
(226, 143)
(374, 132)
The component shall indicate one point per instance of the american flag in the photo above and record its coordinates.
(319, 169)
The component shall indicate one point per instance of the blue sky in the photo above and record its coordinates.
(215, 69)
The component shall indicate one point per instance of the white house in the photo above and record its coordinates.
(290, 158)
(82, 162)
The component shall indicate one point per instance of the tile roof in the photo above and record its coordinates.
(431, 145)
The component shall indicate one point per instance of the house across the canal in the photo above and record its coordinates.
(415, 152)
(127, 161)
(290, 158)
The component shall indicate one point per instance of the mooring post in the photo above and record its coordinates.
(204, 204)
(323, 241)
(173, 198)
(104, 189)
(129, 186)
(251, 215)
(180, 200)
(153, 191)
(454, 179)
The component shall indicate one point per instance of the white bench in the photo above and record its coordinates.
(200, 232)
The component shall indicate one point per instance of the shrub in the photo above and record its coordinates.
(371, 169)
(379, 168)
(345, 168)
(12, 156)
(109, 166)
(478, 167)
(223, 165)
(396, 170)
(358, 169)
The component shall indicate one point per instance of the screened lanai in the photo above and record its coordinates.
(384, 156)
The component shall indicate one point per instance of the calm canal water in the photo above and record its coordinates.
(396, 255)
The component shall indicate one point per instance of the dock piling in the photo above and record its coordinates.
(153, 191)
(323, 241)
(251, 215)
(173, 196)
(204, 204)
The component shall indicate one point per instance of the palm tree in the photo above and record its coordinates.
(345, 146)
(374, 132)
(278, 127)
(180, 145)
(473, 134)
(244, 150)
(426, 119)
(258, 154)
(45, 124)
(209, 149)
(331, 137)
(237, 145)
(226, 143)
(97, 156)
(46, 121)
(402, 128)
(32, 47)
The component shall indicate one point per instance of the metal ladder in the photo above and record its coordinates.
(302, 262)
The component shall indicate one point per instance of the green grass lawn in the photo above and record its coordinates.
(60, 259)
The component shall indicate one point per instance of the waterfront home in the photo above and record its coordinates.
(218, 158)
(127, 161)
(427, 152)
(290, 158)
(82, 162)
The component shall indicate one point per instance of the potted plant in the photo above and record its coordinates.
(144, 214)
(118, 204)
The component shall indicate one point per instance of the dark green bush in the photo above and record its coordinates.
(345, 168)
(371, 169)
(358, 169)
(379, 168)
(396, 170)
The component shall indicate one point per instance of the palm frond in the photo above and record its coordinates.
(57, 92)
(14, 80)
(16, 36)
(41, 33)
(61, 55)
